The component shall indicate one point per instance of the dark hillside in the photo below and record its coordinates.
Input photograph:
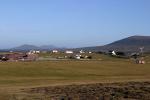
(130, 44)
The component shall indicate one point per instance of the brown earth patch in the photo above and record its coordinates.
(99, 91)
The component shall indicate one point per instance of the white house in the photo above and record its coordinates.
(33, 52)
(55, 51)
(37, 52)
(69, 52)
(81, 51)
(90, 52)
(78, 56)
(113, 53)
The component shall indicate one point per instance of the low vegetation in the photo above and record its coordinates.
(15, 76)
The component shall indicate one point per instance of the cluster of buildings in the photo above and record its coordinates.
(71, 52)
(138, 57)
(32, 55)
(18, 57)
(67, 51)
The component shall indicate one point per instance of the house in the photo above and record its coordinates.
(113, 53)
(90, 52)
(55, 51)
(13, 57)
(37, 52)
(78, 56)
(31, 52)
(3, 58)
(81, 51)
(18, 57)
(69, 52)
(34, 52)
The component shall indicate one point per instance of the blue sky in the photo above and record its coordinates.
(71, 23)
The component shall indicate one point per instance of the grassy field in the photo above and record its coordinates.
(53, 72)
(16, 75)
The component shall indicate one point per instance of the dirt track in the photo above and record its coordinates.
(102, 91)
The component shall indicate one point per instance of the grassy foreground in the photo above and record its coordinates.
(16, 75)
(62, 72)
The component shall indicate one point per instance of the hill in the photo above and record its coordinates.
(130, 44)
(27, 47)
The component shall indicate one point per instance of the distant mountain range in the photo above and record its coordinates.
(27, 47)
(130, 44)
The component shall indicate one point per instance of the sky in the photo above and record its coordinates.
(71, 23)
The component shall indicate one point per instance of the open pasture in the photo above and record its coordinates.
(17, 75)
(108, 69)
